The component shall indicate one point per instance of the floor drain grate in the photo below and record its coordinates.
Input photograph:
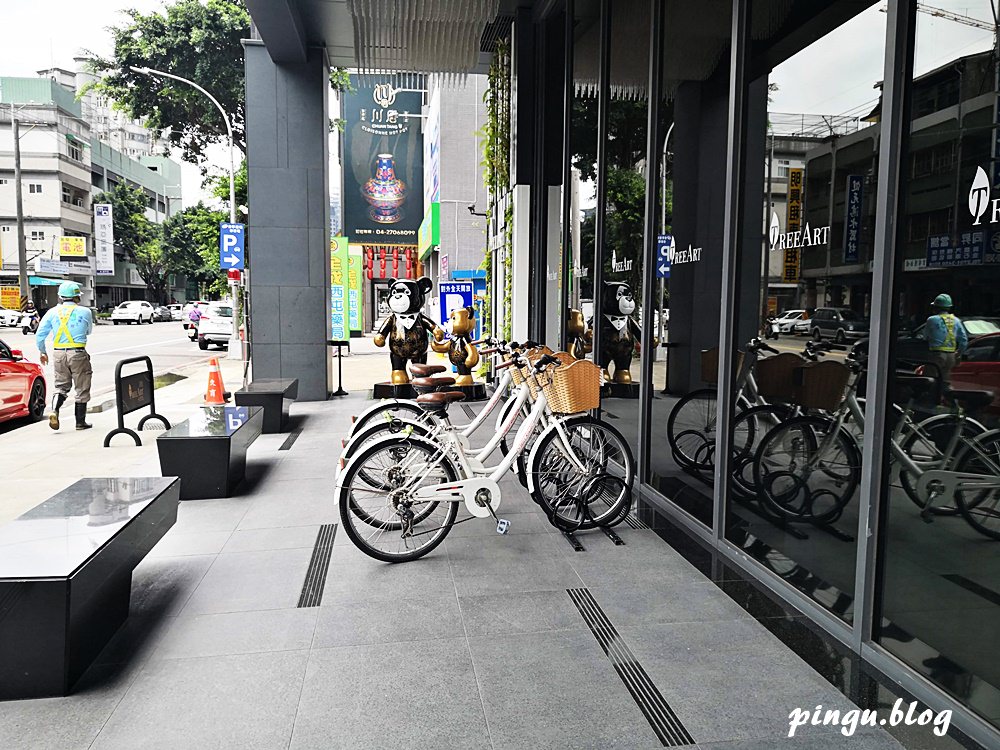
(290, 440)
(470, 412)
(634, 522)
(319, 565)
(658, 713)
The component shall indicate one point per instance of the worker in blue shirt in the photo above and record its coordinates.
(946, 337)
(71, 324)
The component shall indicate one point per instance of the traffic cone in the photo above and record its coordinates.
(216, 393)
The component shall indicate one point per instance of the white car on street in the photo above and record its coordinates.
(9, 317)
(133, 311)
(216, 324)
(786, 322)
(176, 311)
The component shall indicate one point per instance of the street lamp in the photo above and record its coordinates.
(235, 345)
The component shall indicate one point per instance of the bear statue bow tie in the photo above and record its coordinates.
(618, 321)
(406, 321)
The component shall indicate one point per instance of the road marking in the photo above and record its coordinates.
(137, 346)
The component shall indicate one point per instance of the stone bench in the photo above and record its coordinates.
(208, 451)
(66, 577)
(275, 396)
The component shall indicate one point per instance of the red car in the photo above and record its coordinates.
(22, 386)
(980, 368)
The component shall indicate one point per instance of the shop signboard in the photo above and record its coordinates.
(72, 248)
(852, 220)
(354, 269)
(432, 150)
(339, 321)
(383, 196)
(793, 223)
(46, 265)
(454, 295)
(10, 297)
(444, 269)
(969, 250)
(104, 239)
(429, 234)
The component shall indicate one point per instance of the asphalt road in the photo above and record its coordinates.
(165, 343)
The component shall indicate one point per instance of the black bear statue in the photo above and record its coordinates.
(407, 329)
(620, 334)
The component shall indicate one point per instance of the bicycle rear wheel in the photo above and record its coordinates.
(691, 427)
(386, 521)
(981, 507)
(926, 444)
(808, 469)
(596, 493)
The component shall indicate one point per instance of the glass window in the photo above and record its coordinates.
(583, 177)
(691, 164)
(34, 187)
(619, 302)
(796, 433)
(939, 556)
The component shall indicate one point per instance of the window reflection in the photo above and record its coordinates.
(939, 598)
(803, 304)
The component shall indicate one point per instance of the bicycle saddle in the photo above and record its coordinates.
(971, 400)
(918, 384)
(423, 371)
(428, 385)
(439, 400)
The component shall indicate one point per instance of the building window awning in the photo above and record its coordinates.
(43, 281)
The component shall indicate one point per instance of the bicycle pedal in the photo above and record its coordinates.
(503, 525)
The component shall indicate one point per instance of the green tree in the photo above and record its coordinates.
(201, 41)
(193, 234)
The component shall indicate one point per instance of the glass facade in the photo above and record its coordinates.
(820, 178)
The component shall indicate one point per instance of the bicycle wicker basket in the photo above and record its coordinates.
(518, 374)
(565, 358)
(821, 385)
(775, 376)
(710, 364)
(573, 388)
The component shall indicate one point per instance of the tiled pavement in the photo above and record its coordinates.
(478, 645)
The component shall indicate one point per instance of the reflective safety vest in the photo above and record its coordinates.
(63, 338)
(949, 344)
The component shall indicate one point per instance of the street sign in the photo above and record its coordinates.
(664, 255)
(231, 237)
(235, 275)
(453, 295)
(72, 248)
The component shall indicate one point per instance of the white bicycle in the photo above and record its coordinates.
(399, 495)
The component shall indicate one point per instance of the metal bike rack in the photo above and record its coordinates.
(134, 392)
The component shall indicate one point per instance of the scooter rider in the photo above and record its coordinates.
(70, 323)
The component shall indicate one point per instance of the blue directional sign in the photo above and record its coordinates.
(453, 295)
(231, 239)
(664, 254)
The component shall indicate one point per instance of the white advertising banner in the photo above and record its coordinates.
(104, 239)
(432, 150)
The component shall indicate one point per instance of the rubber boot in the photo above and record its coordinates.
(81, 413)
(57, 401)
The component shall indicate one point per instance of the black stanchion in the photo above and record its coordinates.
(340, 377)
(134, 392)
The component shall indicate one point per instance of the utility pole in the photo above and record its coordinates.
(22, 251)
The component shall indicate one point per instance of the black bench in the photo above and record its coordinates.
(275, 396)
(209, 451)
(66, 577)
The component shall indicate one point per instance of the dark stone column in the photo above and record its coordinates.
(289, 231)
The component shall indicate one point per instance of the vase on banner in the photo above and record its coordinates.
(384, 192)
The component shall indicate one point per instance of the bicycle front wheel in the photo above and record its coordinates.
(387, 410)
(691, 428)
(387, 521)
(581, 472)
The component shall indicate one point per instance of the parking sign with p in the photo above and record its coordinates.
(231, 238)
